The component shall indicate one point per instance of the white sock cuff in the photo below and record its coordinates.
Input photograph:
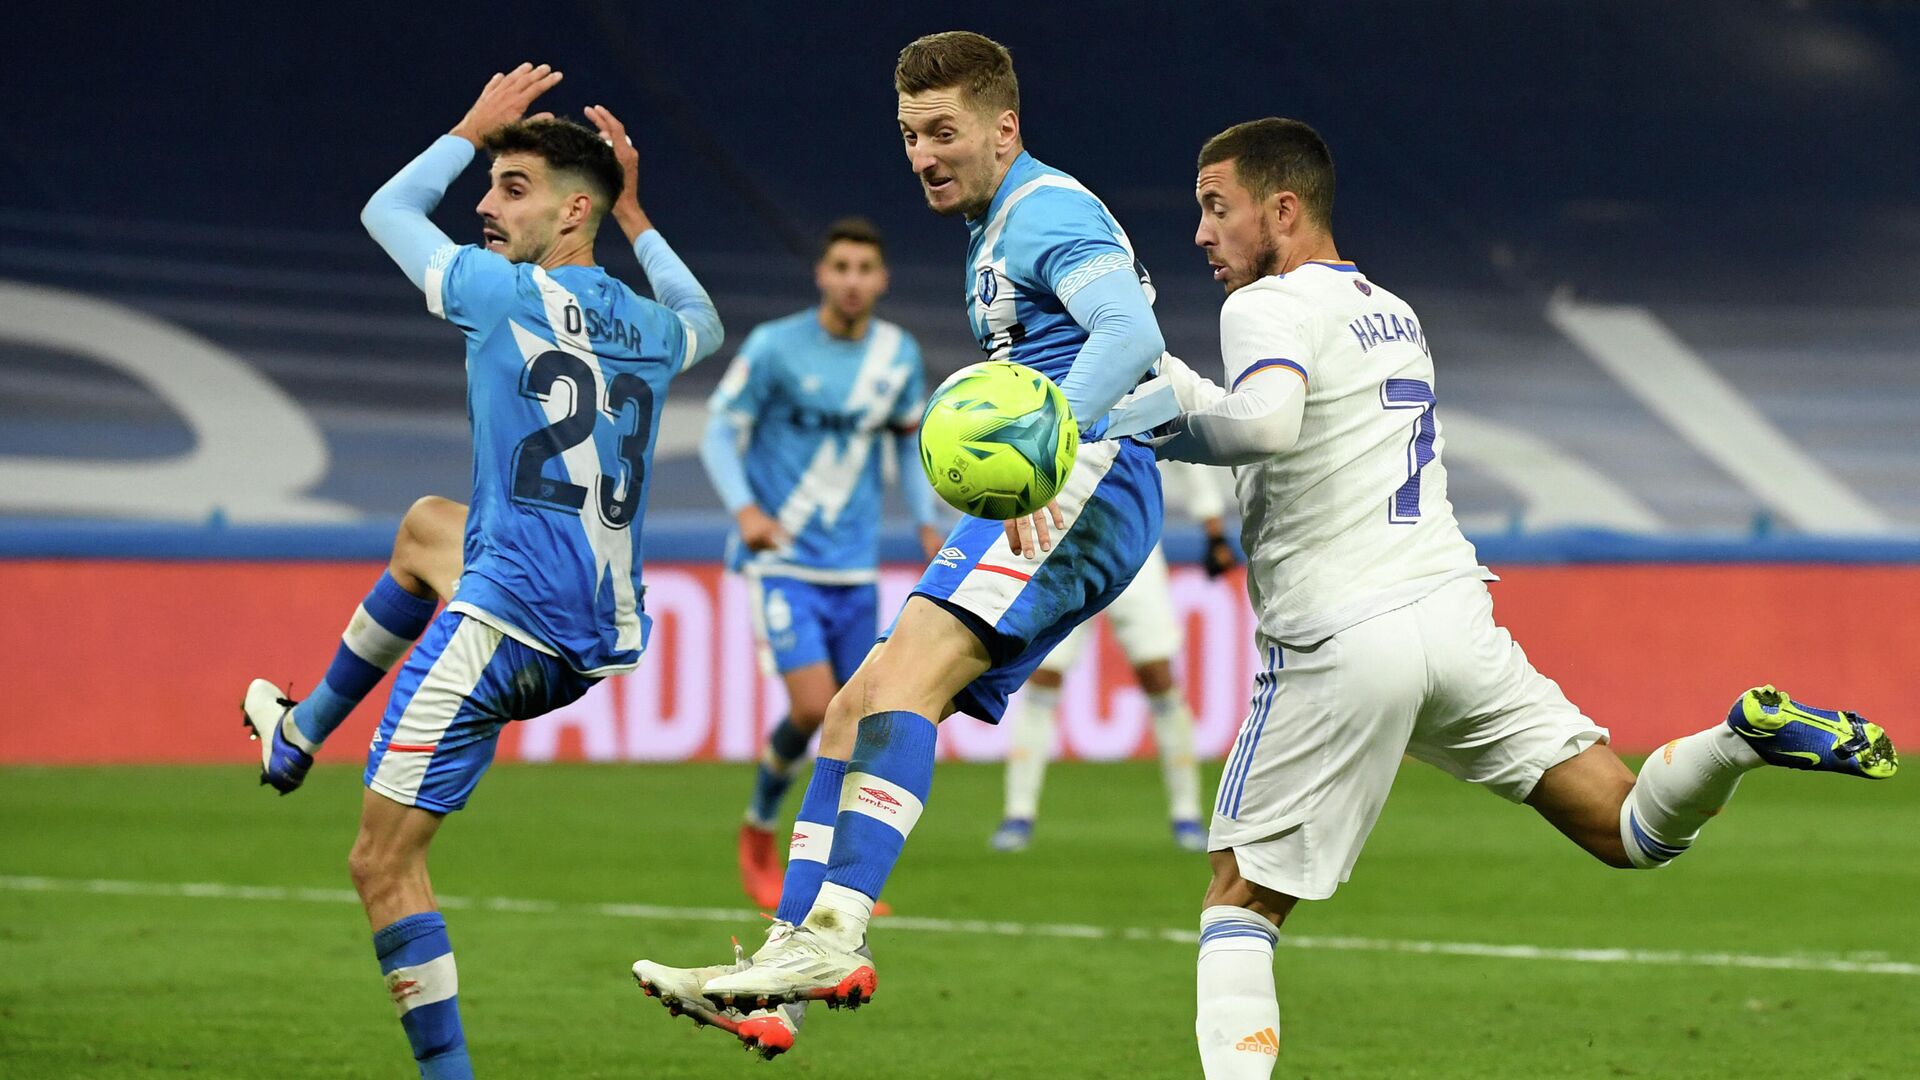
(1225, 928)
(1167, 703)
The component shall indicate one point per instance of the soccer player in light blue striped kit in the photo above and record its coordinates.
(1051, 282)
(567, 371)
(794, 448)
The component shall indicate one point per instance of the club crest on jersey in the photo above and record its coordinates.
(987, 287)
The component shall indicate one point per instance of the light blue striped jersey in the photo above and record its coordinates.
(567, 371)
(1043, 238)
(819, 408)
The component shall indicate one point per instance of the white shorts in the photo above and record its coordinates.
(1141, 617)
(1328, 725)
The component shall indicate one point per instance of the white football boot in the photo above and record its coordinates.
(797, 965)
(767, 1032)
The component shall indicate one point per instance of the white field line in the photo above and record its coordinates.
(1854, 964)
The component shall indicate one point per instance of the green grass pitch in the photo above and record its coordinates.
(131, 980)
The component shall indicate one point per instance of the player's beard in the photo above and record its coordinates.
(1265, 262)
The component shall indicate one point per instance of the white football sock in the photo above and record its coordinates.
(1682, 785)
(840, 915)
(1173, 734)
(1238, 1016)
(1031, 746)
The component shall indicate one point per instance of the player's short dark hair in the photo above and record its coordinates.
(977, 64)
(1277, 154)
(566, 147)
(855, 230)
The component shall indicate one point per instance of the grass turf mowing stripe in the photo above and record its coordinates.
(1863, 964)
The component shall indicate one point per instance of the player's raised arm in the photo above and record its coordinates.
(673, 284)
(1260, 413)
(396, 215)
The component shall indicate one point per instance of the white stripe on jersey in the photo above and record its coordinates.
(999, 576)
(612, 548)
(1000, 314)
(833, 473)
(436, 276)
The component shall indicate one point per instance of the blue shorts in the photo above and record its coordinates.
(1021, 609)
(461, 684)
(797, 623)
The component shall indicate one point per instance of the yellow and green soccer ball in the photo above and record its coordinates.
(998, 440)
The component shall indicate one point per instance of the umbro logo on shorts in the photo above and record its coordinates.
(950, 558)
(876, 797)
(1264, 1041)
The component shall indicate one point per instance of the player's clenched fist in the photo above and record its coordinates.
(505, 100)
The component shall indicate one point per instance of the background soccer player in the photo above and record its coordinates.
(1143, 623)
(793, 450)
(1375, 624)
(1052, 283)
(567, 370)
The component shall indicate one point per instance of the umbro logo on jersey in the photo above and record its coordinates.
(950, 558)
(876, 797)
(1264, 1041)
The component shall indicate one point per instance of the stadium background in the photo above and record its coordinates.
(1666, 255)
(1666, 258)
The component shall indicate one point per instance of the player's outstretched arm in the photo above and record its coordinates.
(673, 284)
(396, 216)
(1259, 415)
(1123, 341)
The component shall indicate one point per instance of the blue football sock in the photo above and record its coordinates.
(888, 779)
(785, 745)
(812, 840)
(417, 960)
(383, 627)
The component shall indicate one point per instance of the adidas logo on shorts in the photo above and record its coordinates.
(1264, 1041)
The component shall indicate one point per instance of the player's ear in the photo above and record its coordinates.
(1007, 129)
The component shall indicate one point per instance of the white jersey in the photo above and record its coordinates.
(1353, 520)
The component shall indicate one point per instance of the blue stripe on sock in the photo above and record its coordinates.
(897, 747)
(1660, 852)
(819, 806)
(1238, 928)
(399, 611)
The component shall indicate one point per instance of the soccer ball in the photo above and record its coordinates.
(998, 440)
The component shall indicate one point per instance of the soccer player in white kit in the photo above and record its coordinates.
(1143, 622)
(1376, 629)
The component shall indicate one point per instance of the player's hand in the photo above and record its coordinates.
(1219, 558)
(759, 530)
(505, 100)
(1030, 536)
(626, 209)
(615, 134)
(931, 541)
